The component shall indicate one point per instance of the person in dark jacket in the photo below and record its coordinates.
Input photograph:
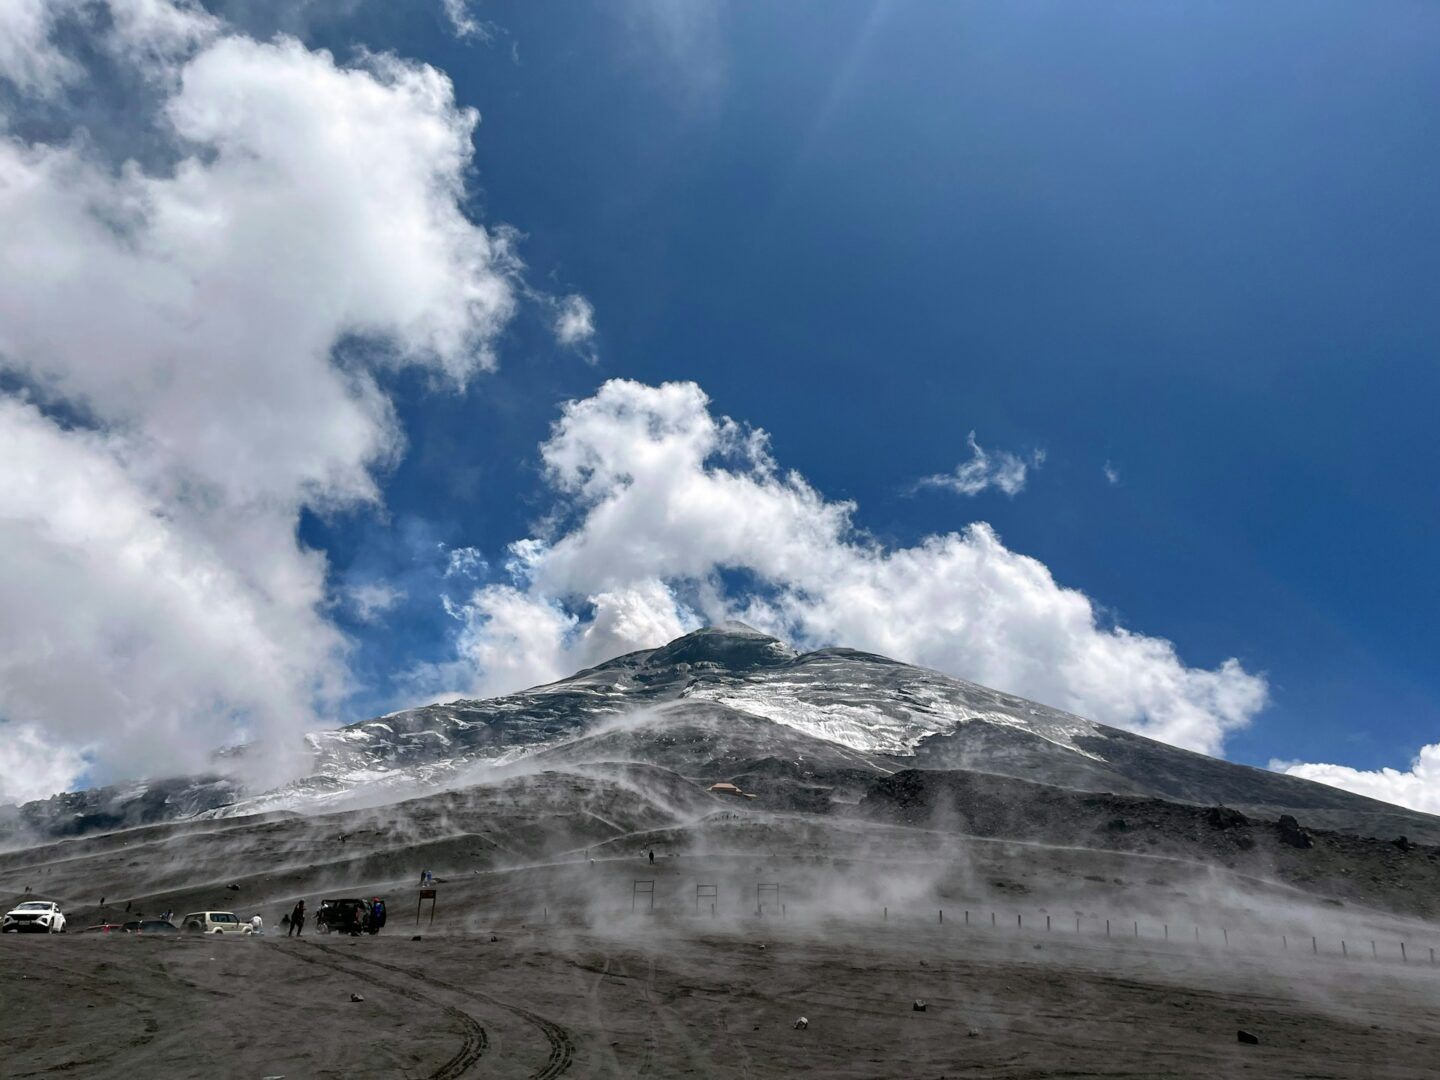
(297, 920)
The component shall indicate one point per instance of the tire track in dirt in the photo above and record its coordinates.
(559, 1038)
(652, 1039)
(150, 1027)
(475, 1043)
(660, 1015)
(593, 996)
(681, 1030)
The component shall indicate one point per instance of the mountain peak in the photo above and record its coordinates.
(731, 645)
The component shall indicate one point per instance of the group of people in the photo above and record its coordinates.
(345, 917)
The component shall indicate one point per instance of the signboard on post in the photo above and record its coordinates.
(425, 894)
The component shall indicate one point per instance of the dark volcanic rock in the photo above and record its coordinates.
(1222, 817)
(121, 806)
(1291, 833)
(1327, 864)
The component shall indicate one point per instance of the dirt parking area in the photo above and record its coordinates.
(647, 997)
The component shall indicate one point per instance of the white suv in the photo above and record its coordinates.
(34, 917)
(213, 922)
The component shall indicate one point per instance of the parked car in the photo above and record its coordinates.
(103, 928)
(214, 922)
(156, 926)
(342, 916)
(34, 916)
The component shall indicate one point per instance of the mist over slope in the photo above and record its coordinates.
(806, 731)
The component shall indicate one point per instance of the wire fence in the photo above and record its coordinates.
(1243, 939)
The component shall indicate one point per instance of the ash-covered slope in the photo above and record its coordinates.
(1397, 875)
(805, 730)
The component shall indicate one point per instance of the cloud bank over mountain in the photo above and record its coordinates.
(1417, 787)
(191, 351)
(667, 516)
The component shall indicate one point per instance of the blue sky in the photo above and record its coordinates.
(1197, 244)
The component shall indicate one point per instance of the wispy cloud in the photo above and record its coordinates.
(574, 320)
(1112, 474)
(985, 469)
(373, 599)
(465, 562)
(463, 22)
(682, 43)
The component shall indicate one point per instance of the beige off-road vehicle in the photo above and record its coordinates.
(213, 922)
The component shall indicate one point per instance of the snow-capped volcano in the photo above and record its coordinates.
(861, 701)
(727, 700)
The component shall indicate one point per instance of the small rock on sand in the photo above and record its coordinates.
(356, 997)
(1247, 1037)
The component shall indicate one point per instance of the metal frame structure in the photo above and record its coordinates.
(707, 892)
(760, 889)
(642, 888)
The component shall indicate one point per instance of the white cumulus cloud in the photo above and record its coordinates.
(176, 330)
(662, 508)
(1417, 787)
(373, 599)
(27, 58)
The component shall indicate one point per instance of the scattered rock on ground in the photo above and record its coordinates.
(801, 1024)
(919, 1006)
(1292, 834)
(356, 997)
(1223, 817)
(1248, 1037)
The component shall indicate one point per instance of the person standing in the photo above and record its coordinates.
(257, 924)
(297, 920)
